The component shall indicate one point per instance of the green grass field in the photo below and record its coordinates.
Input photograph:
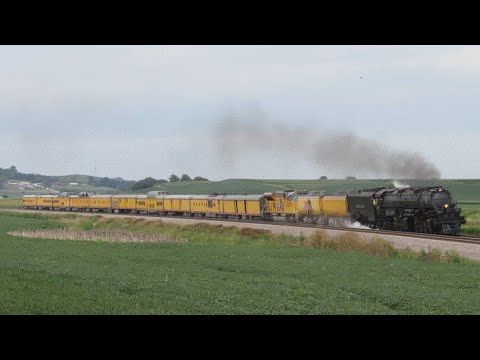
(10, 203)
(466, 192)
(473, 221)
(252, 186)
(221, 270)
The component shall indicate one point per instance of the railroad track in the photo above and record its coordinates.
(464, 238)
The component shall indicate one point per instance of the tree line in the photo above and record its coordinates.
(116, 183)
(12, 173)
(150, 182)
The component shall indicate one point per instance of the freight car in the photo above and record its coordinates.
(428, 210)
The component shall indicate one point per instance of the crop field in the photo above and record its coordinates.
(69, 264)
(252, 186)
(473, 221)
(10, 203)
(466, 192)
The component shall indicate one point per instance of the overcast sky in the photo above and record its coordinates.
(143, 111)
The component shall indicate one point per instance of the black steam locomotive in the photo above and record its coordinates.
(424, 210)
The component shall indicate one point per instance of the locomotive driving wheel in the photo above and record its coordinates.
(419, 226)
(428, 227)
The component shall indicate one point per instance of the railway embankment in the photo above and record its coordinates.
(416, 242)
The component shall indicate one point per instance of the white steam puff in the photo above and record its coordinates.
(356, 225)
(398, 184)
(238, 135)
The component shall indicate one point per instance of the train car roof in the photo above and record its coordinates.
(310, 196)
(157, 194)
(362, 194)
(29, 196)
(124, 196)
(179, 197)
(148, 197)
(243, 197)
(101, 196)
(202, 197)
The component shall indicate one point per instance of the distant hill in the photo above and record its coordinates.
(466, 191)
(16, 183)
(463, 190)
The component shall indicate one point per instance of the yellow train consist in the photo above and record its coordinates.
(288, 205)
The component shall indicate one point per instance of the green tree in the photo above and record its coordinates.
(185, 177)
(174, 178)
(145, 183)
(199, 178)
(11, 172)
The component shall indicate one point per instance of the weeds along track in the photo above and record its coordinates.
(470, 239)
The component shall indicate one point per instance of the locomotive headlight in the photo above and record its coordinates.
(446, 205)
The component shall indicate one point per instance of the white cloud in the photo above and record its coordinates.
(144, 73)
(460, 58)
(115, 92)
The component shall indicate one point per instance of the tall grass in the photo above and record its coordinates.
(377, 246)
(472, 216)
(94, 235)
(99, 227)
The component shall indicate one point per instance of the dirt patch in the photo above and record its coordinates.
(253, 232)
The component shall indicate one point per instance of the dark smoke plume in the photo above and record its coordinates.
(239, 134)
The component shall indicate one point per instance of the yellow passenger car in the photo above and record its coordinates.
(29, 201)
(61, 202)
(124, 203)
(177, 204)
(146, 205)
(101, 202)
(245, 206)
(45, 202)
(218, 204)
(80, 203)
(204, 204)
(155, 200)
